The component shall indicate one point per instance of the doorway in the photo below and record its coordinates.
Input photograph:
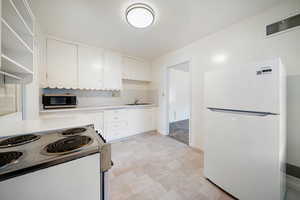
(179, 102)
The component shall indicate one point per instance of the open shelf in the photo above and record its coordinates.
(17, 40)
(15, 48)
(15, 20)
(14, 40)
(24, 10)
(10, 75)
(11, 66)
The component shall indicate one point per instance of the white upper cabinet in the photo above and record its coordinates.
(79, 66)
(112, 71)
(135, 69)
(90, 68)
(61, 64)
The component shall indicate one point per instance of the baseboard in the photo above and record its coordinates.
(293, 183)
(196, 149)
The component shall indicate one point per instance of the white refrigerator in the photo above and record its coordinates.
(245, 143)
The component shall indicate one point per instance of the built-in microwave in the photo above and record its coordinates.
(54, 101)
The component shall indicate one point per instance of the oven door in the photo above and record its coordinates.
(105, 165)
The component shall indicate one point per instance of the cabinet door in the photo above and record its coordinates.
(136, 70)
(90, 68)
(61, 64)
(148, 120)
(141, 120)
(116, 124)
(112, 71)
(97, 119)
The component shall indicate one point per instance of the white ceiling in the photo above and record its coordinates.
(178, 22)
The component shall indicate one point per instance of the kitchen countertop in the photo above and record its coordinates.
(108, 107)
(42, 125)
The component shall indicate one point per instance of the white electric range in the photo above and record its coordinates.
(56, 164)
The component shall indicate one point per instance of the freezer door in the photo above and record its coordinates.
(254, 87)
(241, 154)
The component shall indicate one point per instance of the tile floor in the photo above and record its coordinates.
(155, 167)
(180, 131)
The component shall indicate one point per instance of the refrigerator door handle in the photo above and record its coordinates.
(241, 112)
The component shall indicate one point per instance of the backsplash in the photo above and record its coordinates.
(10, 96)
(131, 90)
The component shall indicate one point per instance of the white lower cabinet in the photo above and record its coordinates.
(127, 122)
(140, 120)
(97, 120)
(114, 124)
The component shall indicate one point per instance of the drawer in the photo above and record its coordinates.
(115, 115)
(116, 134)
(118, 125)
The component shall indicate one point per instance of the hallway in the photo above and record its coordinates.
(180, 131)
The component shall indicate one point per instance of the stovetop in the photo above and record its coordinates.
(67, 144)
(9, 157)
(18, 140)
(29, 151)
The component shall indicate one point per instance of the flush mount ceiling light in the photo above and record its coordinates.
(140, 15)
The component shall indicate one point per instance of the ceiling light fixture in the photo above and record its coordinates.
(140, 15)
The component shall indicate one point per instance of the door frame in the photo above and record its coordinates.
(168, 98)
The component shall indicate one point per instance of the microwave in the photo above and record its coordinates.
(55, 101)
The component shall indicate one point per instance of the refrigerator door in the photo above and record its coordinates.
(241, 154)
(253, 87)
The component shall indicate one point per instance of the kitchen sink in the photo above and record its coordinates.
(138, 104)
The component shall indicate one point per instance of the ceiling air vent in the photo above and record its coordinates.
(283, 25)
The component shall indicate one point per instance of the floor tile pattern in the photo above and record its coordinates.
(155, 167)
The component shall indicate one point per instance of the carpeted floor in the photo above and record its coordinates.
(180, 131)
(292, 194)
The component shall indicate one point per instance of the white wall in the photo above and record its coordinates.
(240, 43)
(31, 98)
(293, 120)
(179, 92)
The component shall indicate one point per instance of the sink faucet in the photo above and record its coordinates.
(136, 101)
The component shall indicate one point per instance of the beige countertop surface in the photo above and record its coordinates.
(45, 123)
(95, 108)
(42, 125)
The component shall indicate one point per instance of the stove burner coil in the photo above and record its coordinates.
(18, 140)
(68, 144)
(9, 157)
(74, 131)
